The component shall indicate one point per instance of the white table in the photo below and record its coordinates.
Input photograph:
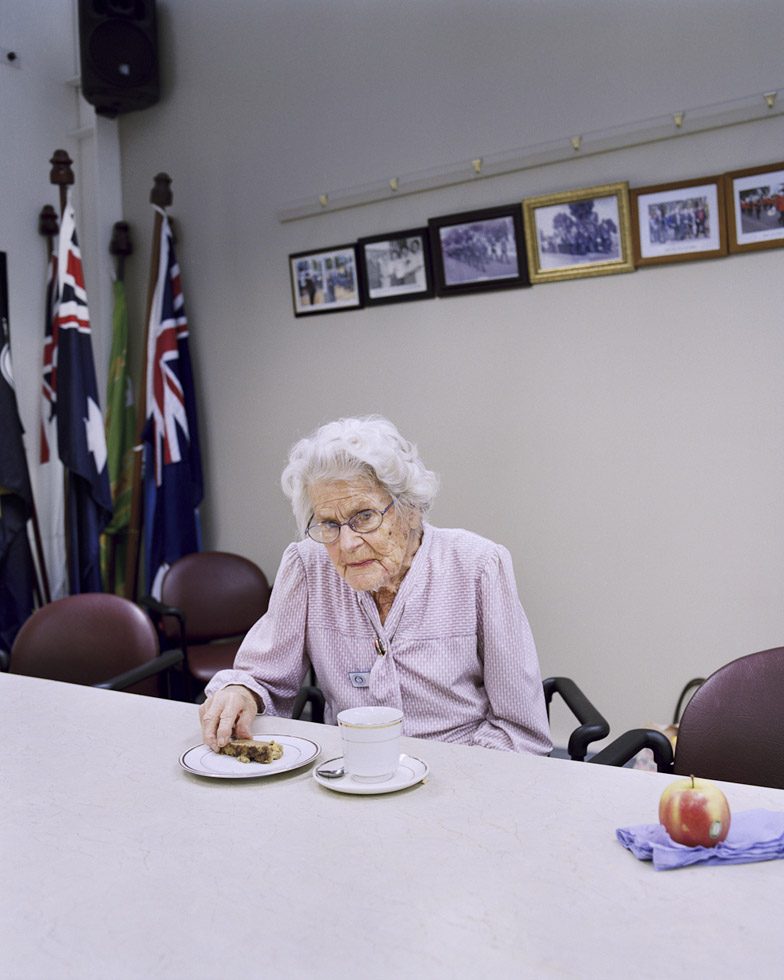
(116, 863)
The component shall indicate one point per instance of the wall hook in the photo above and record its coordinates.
(393, 184)
(323, 200)
(678, 118)
(577, 142)
(477, 165)
(770, 99)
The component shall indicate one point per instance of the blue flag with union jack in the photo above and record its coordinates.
(81, 439)
(173, 485)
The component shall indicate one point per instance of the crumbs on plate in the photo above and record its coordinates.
(251, 750)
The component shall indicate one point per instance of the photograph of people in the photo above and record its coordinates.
(581, 232)
(395, 266)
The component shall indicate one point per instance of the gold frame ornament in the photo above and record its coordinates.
(579, 233)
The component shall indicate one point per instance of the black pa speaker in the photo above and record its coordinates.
(118, 44)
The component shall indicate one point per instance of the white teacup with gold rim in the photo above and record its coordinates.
(371, 742)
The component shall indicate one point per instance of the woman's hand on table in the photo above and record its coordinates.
(227, 714)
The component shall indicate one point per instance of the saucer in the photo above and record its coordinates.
(410, 771)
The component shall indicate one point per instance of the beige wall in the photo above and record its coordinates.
(623, 436)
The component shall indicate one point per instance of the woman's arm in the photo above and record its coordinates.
(517, 715)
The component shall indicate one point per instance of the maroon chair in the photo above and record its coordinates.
(731, 729)
(97, 639)
(209, 600)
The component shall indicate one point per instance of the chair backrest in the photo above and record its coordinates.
(85, 639)
(220, 594)
(733, 727)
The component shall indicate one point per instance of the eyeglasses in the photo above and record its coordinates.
(363, 522)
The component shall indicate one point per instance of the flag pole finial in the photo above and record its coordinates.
(61, 174)
(121, 245)
(47, 222)
(161, 193)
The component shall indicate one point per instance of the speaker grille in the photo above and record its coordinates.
(121, 54)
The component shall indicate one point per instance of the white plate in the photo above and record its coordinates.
(201, 760)
(410, 772)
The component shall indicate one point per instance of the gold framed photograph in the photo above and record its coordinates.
(585, 232)
(678, 222)
(755, 207)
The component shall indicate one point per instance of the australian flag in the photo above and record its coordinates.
(17, 573)
(80, 431)
(173, 486)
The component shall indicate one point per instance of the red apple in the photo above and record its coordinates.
(695, 812)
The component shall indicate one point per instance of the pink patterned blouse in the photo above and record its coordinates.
(455, 652)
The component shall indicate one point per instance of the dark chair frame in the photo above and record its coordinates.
(163, 662)
(313, 695)
(593, 725)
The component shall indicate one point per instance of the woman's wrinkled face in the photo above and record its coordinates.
(373, 561)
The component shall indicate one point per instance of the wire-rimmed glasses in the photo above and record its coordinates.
(363, 522)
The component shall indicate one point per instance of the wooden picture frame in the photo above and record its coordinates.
(578, 233)
(396, 267)
(679, 221)
(325, 280)
(476, 251)
(755, 207)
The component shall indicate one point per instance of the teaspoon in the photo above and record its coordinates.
(327, 773)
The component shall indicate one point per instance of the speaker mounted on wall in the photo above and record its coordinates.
(118, 46)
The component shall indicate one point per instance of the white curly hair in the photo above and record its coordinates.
(369, 447)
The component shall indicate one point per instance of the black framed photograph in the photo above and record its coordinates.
(578, 233)
(755, 207)
(395, 267)
(479, 250)
(679, 222)
(325, 281)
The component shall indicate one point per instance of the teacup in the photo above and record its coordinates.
(371, 742)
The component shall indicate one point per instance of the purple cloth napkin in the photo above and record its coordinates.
(755, 835)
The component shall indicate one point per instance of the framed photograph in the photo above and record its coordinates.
(479, 250)
(395, 267)
(755, 207)
(678, 222)
(326, 281)
(578, 233)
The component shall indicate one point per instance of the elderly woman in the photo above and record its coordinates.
(387, 608)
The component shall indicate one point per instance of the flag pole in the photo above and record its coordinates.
(62, 176)
(160, 196)
(49, 228)
(120, 247)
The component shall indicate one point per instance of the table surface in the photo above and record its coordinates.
(118, 863)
